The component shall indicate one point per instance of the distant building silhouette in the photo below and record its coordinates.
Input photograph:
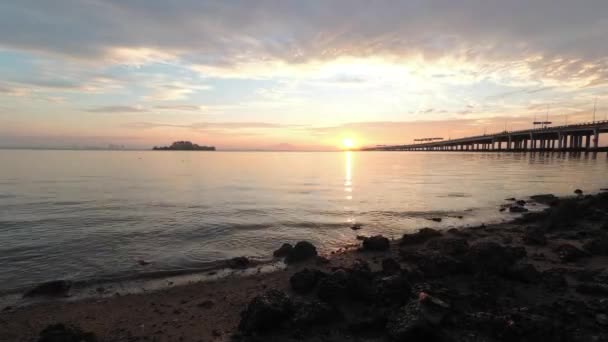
(184, 146)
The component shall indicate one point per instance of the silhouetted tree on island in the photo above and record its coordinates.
(184, 146)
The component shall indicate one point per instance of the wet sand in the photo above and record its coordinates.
(489, 299)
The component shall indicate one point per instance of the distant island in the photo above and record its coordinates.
(184, 146)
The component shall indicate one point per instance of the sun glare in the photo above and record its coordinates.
(348, 143)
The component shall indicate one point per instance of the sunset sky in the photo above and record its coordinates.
(294, 74)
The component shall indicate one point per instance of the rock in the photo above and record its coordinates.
(421, 236)
(566, 212)
(394, 289)
(359, 282)
(534, 236)
(238, 262)
(321, 260)
(436, 219)
(601, 318)
(547, 199)
(408, 324)
(517, 209)
(266, 312)
(304, 281)
(333, 287)
(568, 253)
(554, 280)
(512, 199)
(356, 226)
(53, 288)
(436, 264)
(597, 246)
(207, 304)
(361, 237)
(521, 203)
(302, 251)
(63, 333)
(313, 312)
(450, 246)
(578, 192)
(283, 251)
(595, 289)
(432, 308)
(390, 266)
(531, 217)
(143, 262)
(524, 272)
(376, 243)
(487, 256)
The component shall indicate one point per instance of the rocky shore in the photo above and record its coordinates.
(542, 277)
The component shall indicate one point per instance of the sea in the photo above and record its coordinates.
(104, 216)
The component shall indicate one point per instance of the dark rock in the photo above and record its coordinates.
(283, 251)
(356, 226)
(565, 213)
(63, 333)
(534, 216)
(436, 219)
(450, 246)
(433, 309)
(361, 237)
(359, 282)
(535, 236)
(521, 203)
(52, 288)
(238, 262)
(554, 280)
(568, 253)
(491, 257)
(313, 312)
(517, 209)
(390, 266)
(421, 236)
(547, 199)
(597, 246)
(321, 260)
(595, 289)
(436, 264)
(523, 272)
(408, 324)
(302, 251)
(266, 312)
(392, 290)
(333, 287)
(578, 192)
(512, 199)
(304, 281)
(207, 304)
(376, 243)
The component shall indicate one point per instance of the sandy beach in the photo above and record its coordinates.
(539, 277)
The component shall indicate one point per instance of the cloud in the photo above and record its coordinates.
(181, 107)
(552, 39)
(118, 109)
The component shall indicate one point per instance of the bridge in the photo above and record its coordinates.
(575, 137)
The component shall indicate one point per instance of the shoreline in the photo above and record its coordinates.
(210, 310)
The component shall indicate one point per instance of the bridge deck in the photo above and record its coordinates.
(567, 137)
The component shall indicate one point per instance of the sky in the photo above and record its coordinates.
(301, 75)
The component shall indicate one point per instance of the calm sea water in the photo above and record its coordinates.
(86, 215)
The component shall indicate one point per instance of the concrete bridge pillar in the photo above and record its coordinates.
(509, 143)
(596, 137)
(588, 142)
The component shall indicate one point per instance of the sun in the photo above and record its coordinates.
(348, 143)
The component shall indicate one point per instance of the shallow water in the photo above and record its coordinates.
(87, 215)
